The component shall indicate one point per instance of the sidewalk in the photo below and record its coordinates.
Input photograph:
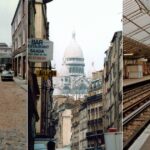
(22, 83)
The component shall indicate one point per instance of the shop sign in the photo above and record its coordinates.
(40, 50)
(43, 73)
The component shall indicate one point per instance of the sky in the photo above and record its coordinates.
(94, 22)
(7, 10)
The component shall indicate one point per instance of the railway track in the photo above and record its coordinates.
(135, 123)
(128, 93)
(136, 113)
(135, 98)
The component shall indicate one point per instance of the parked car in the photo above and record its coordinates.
(6, 75)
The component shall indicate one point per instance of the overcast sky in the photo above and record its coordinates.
(7, 10)
(94, 22)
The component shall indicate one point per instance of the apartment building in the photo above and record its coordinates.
(79, 126)
(94, 135)
(63, 106)
(113, 83)
(82, 126)
(19, 30)
(87, 125)
(75, 126)
(5, 56)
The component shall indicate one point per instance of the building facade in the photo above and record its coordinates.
(94, 135)
(83, 126)
(63, 106)
(5, 56)
(40, 98)
(44, 104)
(75, 127)
(87, 122)
(19, 29)
(113, 83)
(79, 126)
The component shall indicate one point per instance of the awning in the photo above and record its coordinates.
(136, 26)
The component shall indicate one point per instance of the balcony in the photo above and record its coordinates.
(93, 147)
(94, 98)
(95, 134)
(95, 121)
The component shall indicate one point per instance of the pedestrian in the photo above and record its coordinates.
(50, 145)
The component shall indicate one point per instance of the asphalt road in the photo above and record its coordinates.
(13, 116)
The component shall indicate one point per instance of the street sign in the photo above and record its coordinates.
(40, 50)
(46, 73)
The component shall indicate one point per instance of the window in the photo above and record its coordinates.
(19, 40)
(19, 14)
(80, 70)
(73, 69)
(23, 7)
(23, 37)
(16, 44)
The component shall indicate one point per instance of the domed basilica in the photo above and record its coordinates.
(72, 80)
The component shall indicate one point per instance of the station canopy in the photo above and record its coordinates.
(136, 27)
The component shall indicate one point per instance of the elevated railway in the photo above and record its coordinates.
(136, 111)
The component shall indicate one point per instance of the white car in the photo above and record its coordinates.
(6, 75)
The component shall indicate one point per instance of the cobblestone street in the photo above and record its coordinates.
(13, 117)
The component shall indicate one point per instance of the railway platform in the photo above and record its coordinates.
(131, 81)
(143, 141)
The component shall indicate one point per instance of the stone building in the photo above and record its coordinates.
(75, 127)
(113, 83)
(40, 95)
(63, 106)
(94, 135)
(87, 126)
(44, 103)
(71, 79)
(5, 56)
(19, 29)
(82, 126)
(79, 126)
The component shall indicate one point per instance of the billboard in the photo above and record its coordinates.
(40, 50)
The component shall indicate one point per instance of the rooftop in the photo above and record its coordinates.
(136, 27)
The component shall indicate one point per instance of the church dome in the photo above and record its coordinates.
(73, 50)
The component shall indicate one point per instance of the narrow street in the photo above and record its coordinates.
(13, 116)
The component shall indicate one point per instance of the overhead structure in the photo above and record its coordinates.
(136, 27)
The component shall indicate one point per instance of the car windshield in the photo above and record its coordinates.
(6, 72)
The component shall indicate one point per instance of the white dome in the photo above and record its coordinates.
(73, 50)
